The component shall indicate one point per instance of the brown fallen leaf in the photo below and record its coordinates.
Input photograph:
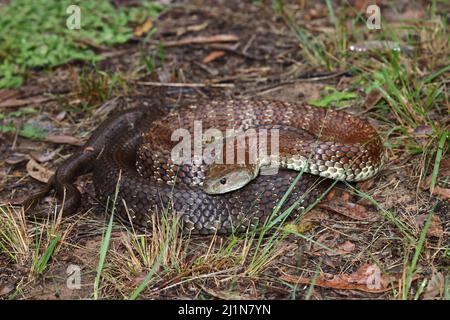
(6, 289)
(409, 14)
(202, 39)
(367, 278)
(331, 195)
(38, 172)
(144, 28)
(366, 185)
(444, 171)
(443, 193)
(61, 115)
(316, 12)
(63, 139)
(345, 247)
(43, 156)
(435, 229)
(360, 6)
(16, 158)
(331, 241)
(435, 287)
(422, 130)
(213, 56)
(350, 209)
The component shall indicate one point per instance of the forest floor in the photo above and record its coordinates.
(386, 238)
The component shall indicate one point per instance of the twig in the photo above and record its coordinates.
(10, 103)
(185, 85)
(306, 77)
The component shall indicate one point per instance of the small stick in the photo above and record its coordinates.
(202, 40)
(185, 85)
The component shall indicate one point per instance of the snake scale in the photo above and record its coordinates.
(129, 156)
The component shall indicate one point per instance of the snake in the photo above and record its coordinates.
(131, 158)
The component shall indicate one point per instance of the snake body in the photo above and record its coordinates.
(129, 158)
(324, 142)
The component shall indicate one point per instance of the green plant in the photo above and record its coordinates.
(34, 33)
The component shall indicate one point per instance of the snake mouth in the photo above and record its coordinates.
(223, 178)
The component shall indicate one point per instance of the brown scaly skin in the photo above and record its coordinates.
(337, 142)
(112, 152)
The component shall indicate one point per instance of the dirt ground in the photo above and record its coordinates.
(376, 235)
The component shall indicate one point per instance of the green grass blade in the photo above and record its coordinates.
(42, 264)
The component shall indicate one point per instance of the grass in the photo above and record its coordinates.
(93, 87)
(14, 239)
(407, 102)
(411, 270)
(442, 140)
(27, 243)
(22, 48)
(310, 290)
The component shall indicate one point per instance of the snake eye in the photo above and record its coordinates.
(223, 180)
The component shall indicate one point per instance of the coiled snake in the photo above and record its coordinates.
(130, 157)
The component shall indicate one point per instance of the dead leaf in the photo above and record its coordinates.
(331, 195)
(423, 130)
(412, 14)
(372, 98)
(366, 185)
(5, 290)
(360, 6)
(202, 39)
(350, 209)
(38, 172)
(144, 28)
(213, 56)
(43, 156)
(367, 278)
(444, 171)
(63, 139)
(331, 241)
(316, 12)
(61, 115)
(16, 158)
(346, 247)
(443, 193)
(435, 287)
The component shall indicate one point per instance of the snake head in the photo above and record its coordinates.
(223, 178)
